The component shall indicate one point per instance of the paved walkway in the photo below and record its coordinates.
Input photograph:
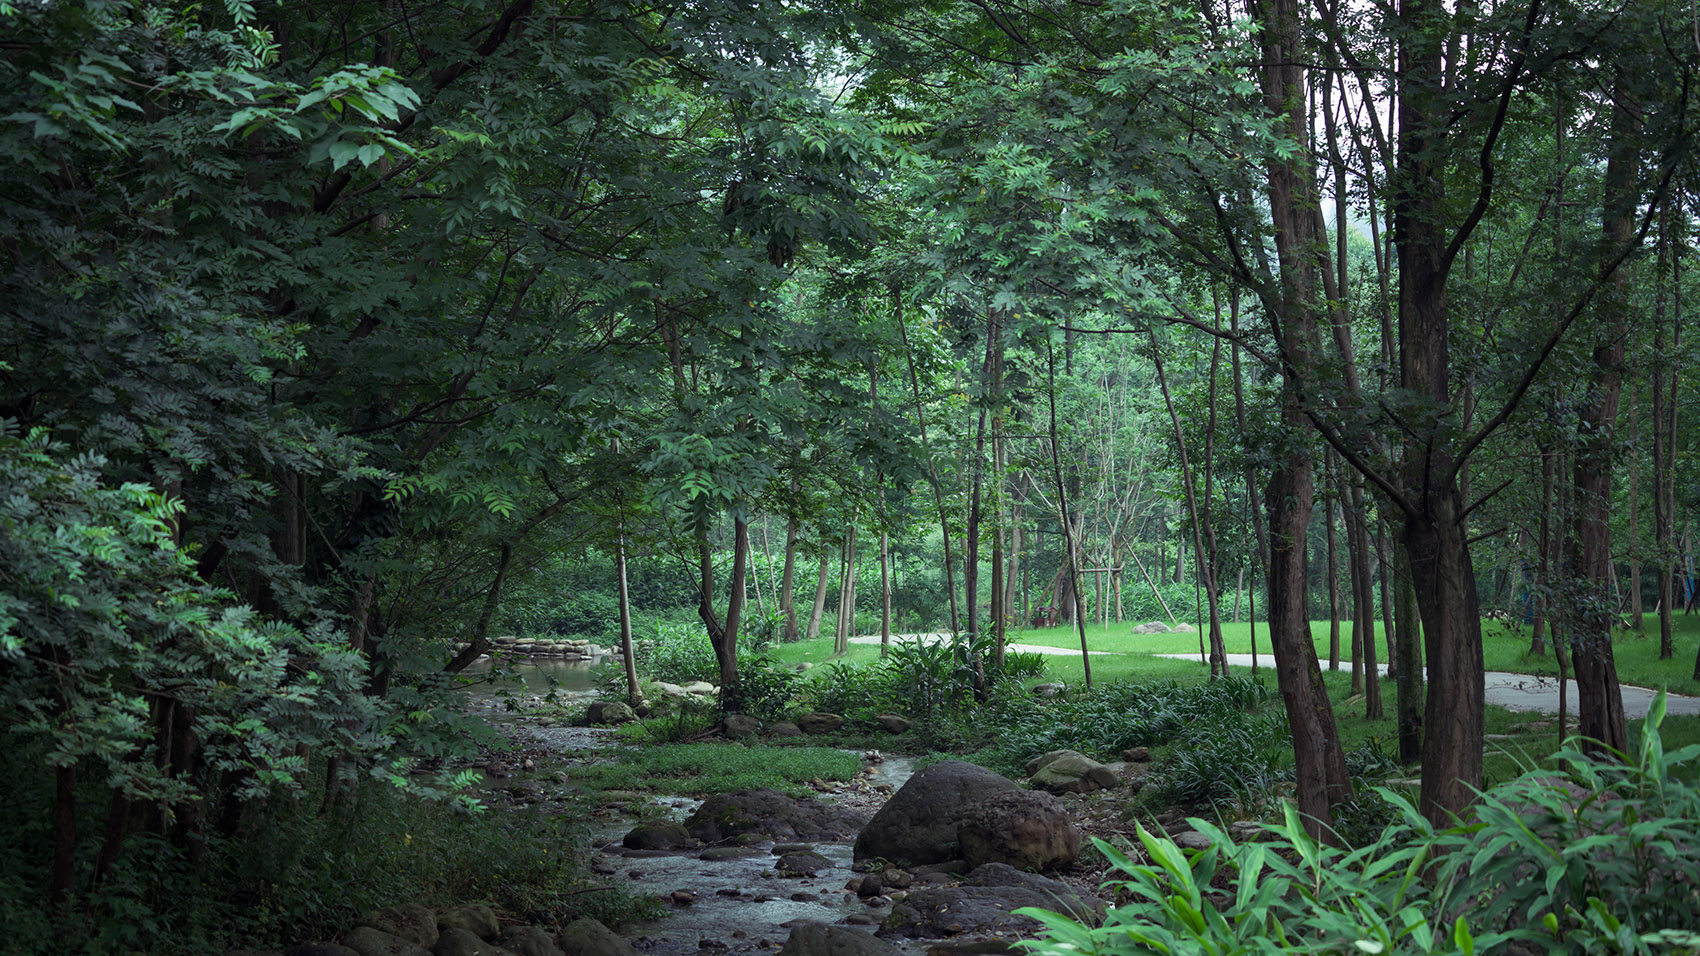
(940, 638)
(1525, 691)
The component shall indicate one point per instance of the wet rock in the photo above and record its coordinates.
(530, 941)
(681, 897)
(820, 939)
(771, 814)
(722, 853)
(1073, 773)
(893, 723)
(410, 921)
(819, 723)
(475, 918)
(894, 877)
(870, 885)
(1026, 829)
(802, 863)
(656, 835)
(780, 849)
(587, 937)
(919, 823)
(370, 941)
(804, 897)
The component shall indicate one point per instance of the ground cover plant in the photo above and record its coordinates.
(1595, 857)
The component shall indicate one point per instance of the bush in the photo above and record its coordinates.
(678, 654)
(770, 691)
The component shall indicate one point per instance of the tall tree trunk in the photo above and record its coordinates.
(1599, 703)
(1206, 572)
(1320, 766)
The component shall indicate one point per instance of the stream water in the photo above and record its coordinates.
(739, 903)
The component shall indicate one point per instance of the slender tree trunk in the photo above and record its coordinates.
(1664, 446)
(1334, 588)
(634, 693)
(820, 597)
(1071, 550)
(932, 467)
(1206, 572)
(788, 582)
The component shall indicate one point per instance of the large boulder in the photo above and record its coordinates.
(771, 814)
(819, 723)
(1026, 829)
(475, 918)
(893, 723)
(801, 863)
(530, 941)
(410, 921)
(821, 939)
(985, 903)
(371, 941)
(587, 937)
(610, 712)
(738, 726)
(1073, 773)
(464, 942)
(919, 823)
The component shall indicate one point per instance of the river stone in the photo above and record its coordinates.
(723, 853)
(737, 726)
(1073, 773)
(656, 835)
(1026, 829)
(819, 723)
(893, 723)
(801, 863)
(463, 942)
(530, 941)
(772, 814)
(919, 823)
(370, 941)
(985, 904)
(587, 937)
(410, 921)
(819, 939)
(321, 949)
(610, 712)
(476, 918)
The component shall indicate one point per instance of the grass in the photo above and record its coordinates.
(703, 769)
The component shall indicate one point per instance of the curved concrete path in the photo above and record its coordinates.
(1525, 691)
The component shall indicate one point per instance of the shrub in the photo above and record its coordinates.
(770, 691)
(678, 654)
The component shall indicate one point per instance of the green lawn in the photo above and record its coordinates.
(1528, 738)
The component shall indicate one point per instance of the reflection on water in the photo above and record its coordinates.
(540, 675)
